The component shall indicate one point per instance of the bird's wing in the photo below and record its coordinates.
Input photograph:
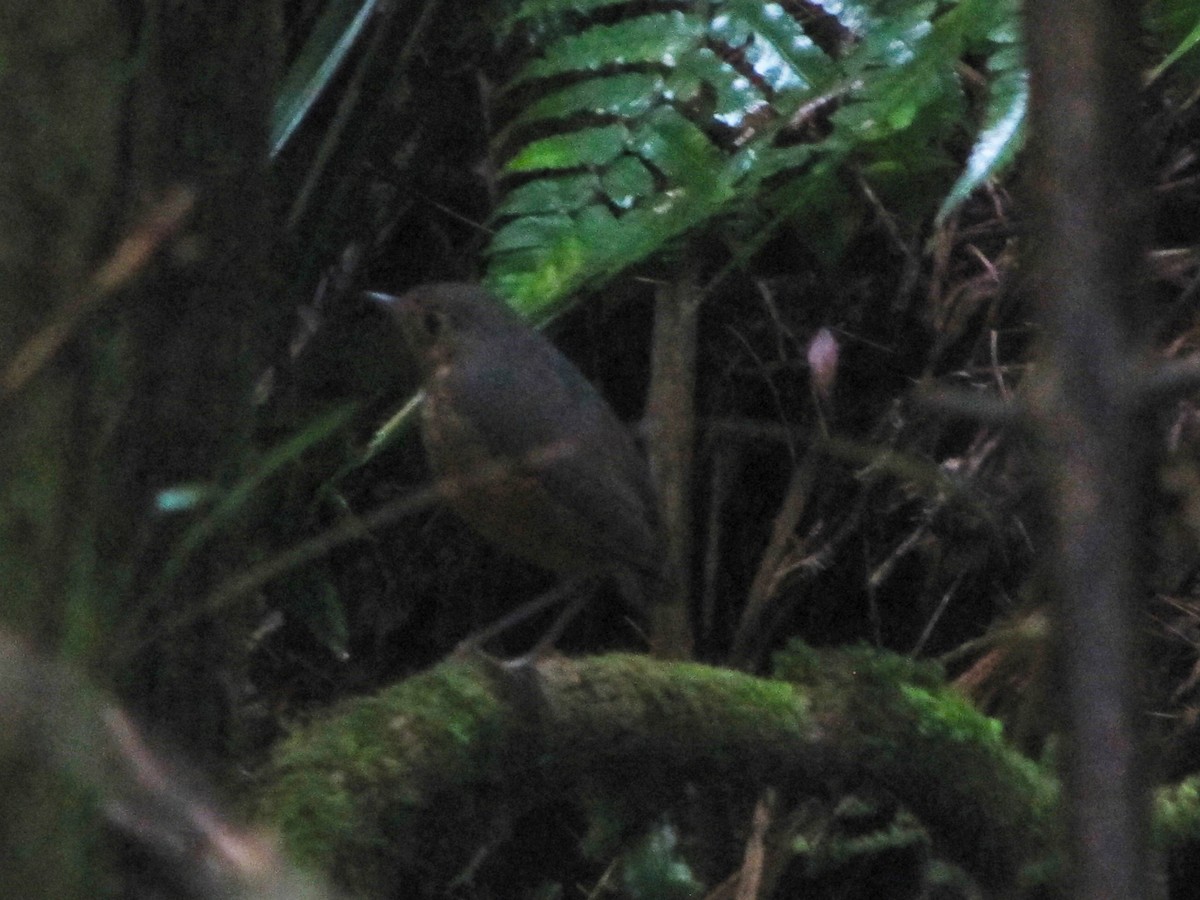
(544, 414)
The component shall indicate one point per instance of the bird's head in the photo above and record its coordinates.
(444, 322)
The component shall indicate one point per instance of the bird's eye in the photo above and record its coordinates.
(432, 321)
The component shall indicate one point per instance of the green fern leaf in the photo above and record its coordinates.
(668, 120)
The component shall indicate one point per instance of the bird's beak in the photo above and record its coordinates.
(399, 307)
(404, 312)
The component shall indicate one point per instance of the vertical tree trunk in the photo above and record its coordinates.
(1089, 200)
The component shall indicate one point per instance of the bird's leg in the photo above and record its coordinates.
(554, 632)
(571, 590)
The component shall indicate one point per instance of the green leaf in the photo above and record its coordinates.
(656, 38)
(1184, 47)
(536, 280)
(734, 95)
(781, 53)
(531, 231)
(586, 147)
(337, 31)
(627, 95)
(997, 143)
(677, 149)
(536, 9)
(551, 195)
(627, 181)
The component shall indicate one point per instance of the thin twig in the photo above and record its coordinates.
(129, 258)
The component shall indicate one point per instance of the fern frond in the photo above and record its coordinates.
(665, 118)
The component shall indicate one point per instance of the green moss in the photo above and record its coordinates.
(344, 780)
(1177, 813)
(949, 716)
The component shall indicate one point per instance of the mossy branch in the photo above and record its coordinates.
(412, 782)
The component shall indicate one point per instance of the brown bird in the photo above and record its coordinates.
(530, 454)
